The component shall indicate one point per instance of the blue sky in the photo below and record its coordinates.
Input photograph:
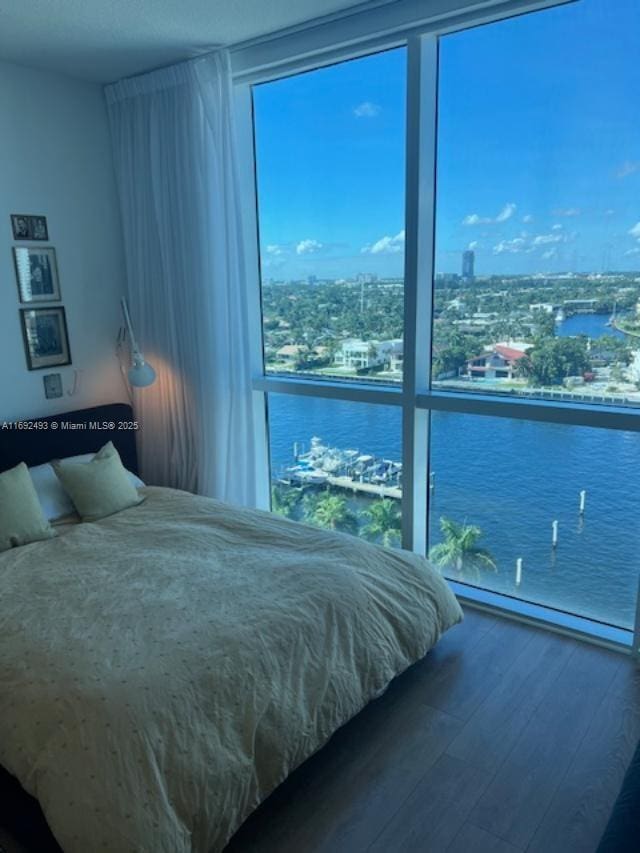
(538, 154)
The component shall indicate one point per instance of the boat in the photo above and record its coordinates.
(306, 473)
(612, 319)
(323, 464)
(560, 316)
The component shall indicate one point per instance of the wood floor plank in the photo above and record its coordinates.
(345, 805)
(493, 729)
(516, 801)
(434, 812)
(627, 680)
(580, 809)
(472, 839)
(456, 679)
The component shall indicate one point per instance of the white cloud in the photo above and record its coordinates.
(633, 251)
(367, 109)
(566, 211)
(557, 227)
(474, 219)
(528, 244)
(506, 213)
(609, 212)
(274, 250)
(544, 239)
(308, 247)
(386, 245)
(513, 247)
(629, 167)
(473, 245)
(527, 218)
(635, 231)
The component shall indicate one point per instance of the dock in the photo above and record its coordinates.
(376, 489)
(347, 470)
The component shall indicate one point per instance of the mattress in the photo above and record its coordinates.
(164, 669)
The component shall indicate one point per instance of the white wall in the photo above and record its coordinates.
(55, 160)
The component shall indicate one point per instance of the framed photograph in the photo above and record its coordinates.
(28, 227)
(37, 273)
(46, 341)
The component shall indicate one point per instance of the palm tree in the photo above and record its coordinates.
(459, 549)
(331, 512)
(284, 500)
(384, 520)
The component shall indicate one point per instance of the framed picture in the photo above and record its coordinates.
(37, 273)
(46, 341)
(28, 227)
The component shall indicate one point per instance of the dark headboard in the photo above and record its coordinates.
(37, 446)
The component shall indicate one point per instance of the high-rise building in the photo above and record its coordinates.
(468, 260)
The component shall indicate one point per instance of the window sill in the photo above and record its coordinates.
(588, 630)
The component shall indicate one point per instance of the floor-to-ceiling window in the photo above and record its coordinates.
(330, 152)
(450, 298)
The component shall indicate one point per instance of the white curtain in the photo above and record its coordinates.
(174, 155)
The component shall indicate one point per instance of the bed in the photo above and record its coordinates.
(162, 670)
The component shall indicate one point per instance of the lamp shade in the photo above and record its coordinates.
(141, 373)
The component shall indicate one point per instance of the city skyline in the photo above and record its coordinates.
(523, 193)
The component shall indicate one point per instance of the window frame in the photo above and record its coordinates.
(416, 397)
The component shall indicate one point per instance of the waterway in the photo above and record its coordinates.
(512, 479)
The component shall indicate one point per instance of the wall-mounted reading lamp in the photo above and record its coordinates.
(140, 374)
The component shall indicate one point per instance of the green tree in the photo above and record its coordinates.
(330, 512)
(616, 374)
(284, 499)
(553, 359)
(384, 520)
(545, 324)
(452, 350)
(459, 550)
(618, 347)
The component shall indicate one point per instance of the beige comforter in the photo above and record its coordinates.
(162, 670)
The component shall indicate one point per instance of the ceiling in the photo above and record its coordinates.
(105, 40)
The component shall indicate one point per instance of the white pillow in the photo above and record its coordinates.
(53, 499)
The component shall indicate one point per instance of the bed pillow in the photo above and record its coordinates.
(100, 487)
(55, 502)
(21, 517)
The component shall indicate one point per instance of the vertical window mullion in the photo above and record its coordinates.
(422, 67)
(247, 180)
(635, 647)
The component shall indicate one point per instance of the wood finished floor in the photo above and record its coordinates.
(505, 738)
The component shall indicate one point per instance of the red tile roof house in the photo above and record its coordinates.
(498, 362)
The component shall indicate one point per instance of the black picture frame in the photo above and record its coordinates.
(36, 274)
(45, 336)
(29, 226)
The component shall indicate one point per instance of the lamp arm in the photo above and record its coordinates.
(127, 319)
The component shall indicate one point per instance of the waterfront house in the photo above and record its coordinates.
(499, 361)
(357, 354)
(294, 353)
